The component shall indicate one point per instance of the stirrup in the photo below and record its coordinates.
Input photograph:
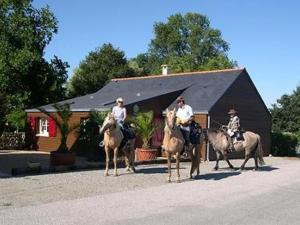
(101, 144)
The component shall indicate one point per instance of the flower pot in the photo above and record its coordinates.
(146, 154)
(58, 158)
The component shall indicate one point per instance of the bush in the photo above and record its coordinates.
(283, 144)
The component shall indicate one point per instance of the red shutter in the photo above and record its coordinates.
(52, 127)
(32, 122)
(158, 134)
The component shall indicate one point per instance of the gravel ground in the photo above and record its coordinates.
(269, 196)
(39, 189)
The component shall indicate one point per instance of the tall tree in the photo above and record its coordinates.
(97, 69)
(185, 43)
(26, 78)
(286, 113)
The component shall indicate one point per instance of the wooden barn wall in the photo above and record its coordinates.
(49, 144)
(243, 97)
(202, 120)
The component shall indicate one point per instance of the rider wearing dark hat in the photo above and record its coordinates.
(233, 126)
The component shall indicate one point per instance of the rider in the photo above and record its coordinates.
(184, 115)
(119, 111)
(233, 126)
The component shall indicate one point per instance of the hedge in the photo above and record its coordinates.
(283, 144)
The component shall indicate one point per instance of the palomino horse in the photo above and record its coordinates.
(173, 143)
(113, 137)
(221, 143)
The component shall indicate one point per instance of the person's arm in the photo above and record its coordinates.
(191, 113)
(125, 114)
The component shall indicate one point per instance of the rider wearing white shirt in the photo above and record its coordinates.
(184, 115)
(119, 111)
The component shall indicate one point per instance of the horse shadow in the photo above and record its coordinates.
(217, 175)
(260, 169)
(155, 170)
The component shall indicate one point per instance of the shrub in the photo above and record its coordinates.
(283, 144)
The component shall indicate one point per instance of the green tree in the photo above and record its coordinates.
(286, 113)
(186, 43)
(26, 78)
(97, 69)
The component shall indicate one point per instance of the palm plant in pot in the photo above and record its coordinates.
(62, 156)
(145, 129)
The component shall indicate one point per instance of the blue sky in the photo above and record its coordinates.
(263, 35)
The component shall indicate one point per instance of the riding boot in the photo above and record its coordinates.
(186, 151)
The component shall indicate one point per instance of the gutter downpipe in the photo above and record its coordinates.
(207, 144)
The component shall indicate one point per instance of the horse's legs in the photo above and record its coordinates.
(107, 161)
(226, 159)
(247, 157)
(178, 165)
(169, 167)
(127, 159)
(132, 155)
(217, 160)
(115, 160)
(193, 161)
(256, 162)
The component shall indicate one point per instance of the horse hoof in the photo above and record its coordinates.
(133, 169)
(169, 180)
(216, 168)
(105, 174)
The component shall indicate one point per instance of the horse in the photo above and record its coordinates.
(173, 143)
(220, 142)
(113, 137)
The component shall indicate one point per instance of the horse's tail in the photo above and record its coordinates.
(259, 151)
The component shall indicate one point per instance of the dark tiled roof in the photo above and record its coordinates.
(200, 89)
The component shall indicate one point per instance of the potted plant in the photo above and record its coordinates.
(62, 156)
(145, 128)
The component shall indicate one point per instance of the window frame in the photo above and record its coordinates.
(40, 131)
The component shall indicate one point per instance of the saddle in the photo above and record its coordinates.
(128, 134)
(195, 133)
(239, 135)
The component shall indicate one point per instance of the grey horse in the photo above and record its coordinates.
(220, 142)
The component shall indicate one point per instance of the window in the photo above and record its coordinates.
(43, 127)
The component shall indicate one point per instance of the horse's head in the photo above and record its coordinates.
(109, 123)
(171, 118)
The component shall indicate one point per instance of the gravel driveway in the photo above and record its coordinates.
(26, 196)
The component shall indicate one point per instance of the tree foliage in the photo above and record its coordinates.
(186, 43)
(97, 68)
(286, 113)
(26, 78)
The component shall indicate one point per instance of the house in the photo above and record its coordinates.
(210, 93)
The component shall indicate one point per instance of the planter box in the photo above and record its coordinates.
(59, 159)
(146, 154)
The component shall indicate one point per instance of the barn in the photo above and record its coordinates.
(209, 93)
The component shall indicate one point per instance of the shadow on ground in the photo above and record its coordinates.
(154, 170)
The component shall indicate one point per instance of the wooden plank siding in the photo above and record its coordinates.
(49, 144)
(202, 120)
(243, 97)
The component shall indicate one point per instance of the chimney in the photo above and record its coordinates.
(165, 69)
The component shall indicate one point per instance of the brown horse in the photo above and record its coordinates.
(173, 143)
(220, 141)
(113, 137)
